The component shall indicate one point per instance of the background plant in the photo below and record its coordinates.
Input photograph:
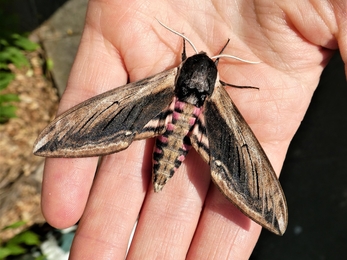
(20, 243)
(12, 51)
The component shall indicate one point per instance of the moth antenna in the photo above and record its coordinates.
(184, 55)
(234, 57)
(179, 34)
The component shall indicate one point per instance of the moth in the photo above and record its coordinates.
(183, 107)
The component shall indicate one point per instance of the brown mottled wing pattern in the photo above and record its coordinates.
(239, 166)
(110, 121)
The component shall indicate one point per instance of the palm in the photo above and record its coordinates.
(121, 41)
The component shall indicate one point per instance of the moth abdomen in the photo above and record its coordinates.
(173, 145)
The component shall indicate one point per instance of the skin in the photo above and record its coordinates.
(190, 218)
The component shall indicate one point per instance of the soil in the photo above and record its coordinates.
(20, 170)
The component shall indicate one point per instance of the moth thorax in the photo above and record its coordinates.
(196, 79)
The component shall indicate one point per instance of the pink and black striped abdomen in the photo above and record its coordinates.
(172, 146)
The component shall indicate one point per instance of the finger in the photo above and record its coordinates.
(65, 189)
(67, 182)
(113, 206)
(168, 219)
(223, 232)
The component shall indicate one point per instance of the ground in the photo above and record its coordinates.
(21, 171)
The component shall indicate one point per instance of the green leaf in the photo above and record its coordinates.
(30, 238)
(49, 64)
(26, 237)
(4, 252)
(24, 43)
(15, 225)
(4, 42)
(3, 65)
(8, 98)
(7, 112)
(5, 79)
(41, 257)
(13, 249)
(14, 55)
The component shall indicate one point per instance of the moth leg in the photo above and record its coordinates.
(184, 55)
(228, 84)
(224, 83)
(224, 47)
(235, 86)
(217, 60)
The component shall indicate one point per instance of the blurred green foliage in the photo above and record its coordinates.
(12, 48)
(19, 243)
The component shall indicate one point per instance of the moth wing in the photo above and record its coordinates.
(239, 166)
(109, 122)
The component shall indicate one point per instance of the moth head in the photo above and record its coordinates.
(196, 79)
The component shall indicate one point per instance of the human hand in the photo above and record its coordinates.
(189, 218)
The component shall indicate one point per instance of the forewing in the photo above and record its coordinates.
(109, 122)
(239, 166)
